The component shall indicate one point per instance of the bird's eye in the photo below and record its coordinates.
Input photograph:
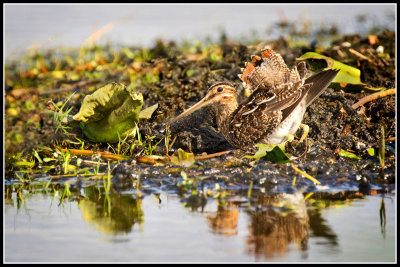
(220, 89)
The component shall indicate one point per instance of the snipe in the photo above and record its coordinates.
(274, 110)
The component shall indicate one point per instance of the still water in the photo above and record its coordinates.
(88, 225)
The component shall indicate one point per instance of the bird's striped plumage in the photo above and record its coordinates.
(276, 106)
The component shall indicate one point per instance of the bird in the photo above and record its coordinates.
(275, 107)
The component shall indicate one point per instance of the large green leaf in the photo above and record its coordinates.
(274, 153)
(110, 113)
(348, 76)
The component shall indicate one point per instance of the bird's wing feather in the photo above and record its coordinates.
(313, 87)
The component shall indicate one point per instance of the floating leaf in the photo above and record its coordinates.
(183, 158)
(344, 153)
(274, 153)
(110, 113)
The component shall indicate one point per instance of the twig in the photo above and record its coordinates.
(93, 162)
(305, 151)
(142, 159)
(325, 149)
(373, 96)
(213, 155)
(358, 54)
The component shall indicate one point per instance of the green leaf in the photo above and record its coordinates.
(183, 158)
(344, 153)
(147, 112)
(110, 113)
(48, 159)
(347, 76)
(262, 151)
(371, 151)
(37, 156)
(28, 164)
(278, 156)
(189, 73)
(274, 153)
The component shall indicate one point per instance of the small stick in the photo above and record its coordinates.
(146, 160)
(93, 162)
(354, 52)
(373, 96)
(325, 149)
(213, 155)
(305, 151)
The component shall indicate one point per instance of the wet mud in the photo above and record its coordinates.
(179, 78)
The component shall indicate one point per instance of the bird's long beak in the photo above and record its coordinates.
(202, 103)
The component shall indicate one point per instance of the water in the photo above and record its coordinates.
(48, 25)
(90, 226)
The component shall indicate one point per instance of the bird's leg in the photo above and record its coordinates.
(306, 129)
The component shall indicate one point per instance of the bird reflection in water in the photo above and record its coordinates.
(281, 222)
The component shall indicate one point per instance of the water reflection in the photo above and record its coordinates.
(280, 223)
(276, 222)
(111, 213)
(225, 221)
(270, 226)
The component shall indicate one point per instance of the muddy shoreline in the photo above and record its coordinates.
(177, 77)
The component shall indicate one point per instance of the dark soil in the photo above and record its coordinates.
(182, 79)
